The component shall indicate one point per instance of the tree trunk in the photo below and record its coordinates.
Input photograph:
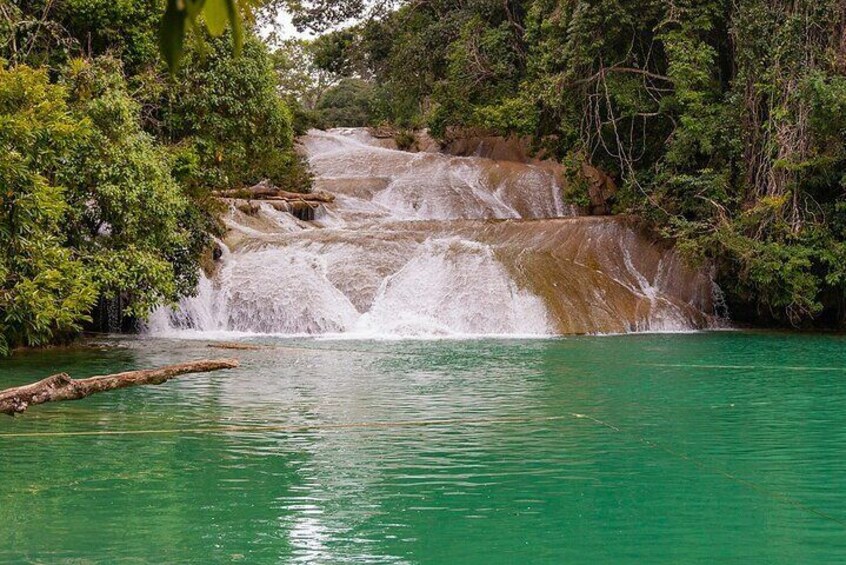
(62, 387)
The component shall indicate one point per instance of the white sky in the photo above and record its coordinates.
(285, 29)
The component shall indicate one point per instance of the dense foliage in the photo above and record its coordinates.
(45, 290)
(229, 119)
(110, 160)
(126, 214)
(722, 121)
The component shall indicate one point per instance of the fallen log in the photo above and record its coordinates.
(275, 194)
(315, 198)
(62, 387)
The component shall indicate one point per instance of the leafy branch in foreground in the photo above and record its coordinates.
(180, 15)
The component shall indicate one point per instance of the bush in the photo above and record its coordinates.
(347, 104)
(405, 139)
(228, 111)
(89, 207)
(127, 215)
(46, 291)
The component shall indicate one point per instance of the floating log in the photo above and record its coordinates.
(233, 345)
(63, 387)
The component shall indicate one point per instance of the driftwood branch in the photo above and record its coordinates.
(249, 200)
(63, 387)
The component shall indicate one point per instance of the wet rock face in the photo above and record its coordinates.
(490, 147)
(601, 189)
(475, 142)
(427, 244)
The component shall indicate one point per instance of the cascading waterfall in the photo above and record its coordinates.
(427, 245)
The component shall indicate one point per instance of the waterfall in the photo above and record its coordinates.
(432, 245)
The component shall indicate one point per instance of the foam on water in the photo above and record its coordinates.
(448, 287)
(453, 286)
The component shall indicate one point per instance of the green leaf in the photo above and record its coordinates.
(172, 35)
(237, 29)
(216, 13)
(193, 7)
(200, 42)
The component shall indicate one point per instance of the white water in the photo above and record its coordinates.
(409, 249)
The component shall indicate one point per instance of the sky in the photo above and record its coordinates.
(285, 29)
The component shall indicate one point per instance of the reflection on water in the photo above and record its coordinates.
(704, 447)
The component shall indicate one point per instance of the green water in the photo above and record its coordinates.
(726, 447)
